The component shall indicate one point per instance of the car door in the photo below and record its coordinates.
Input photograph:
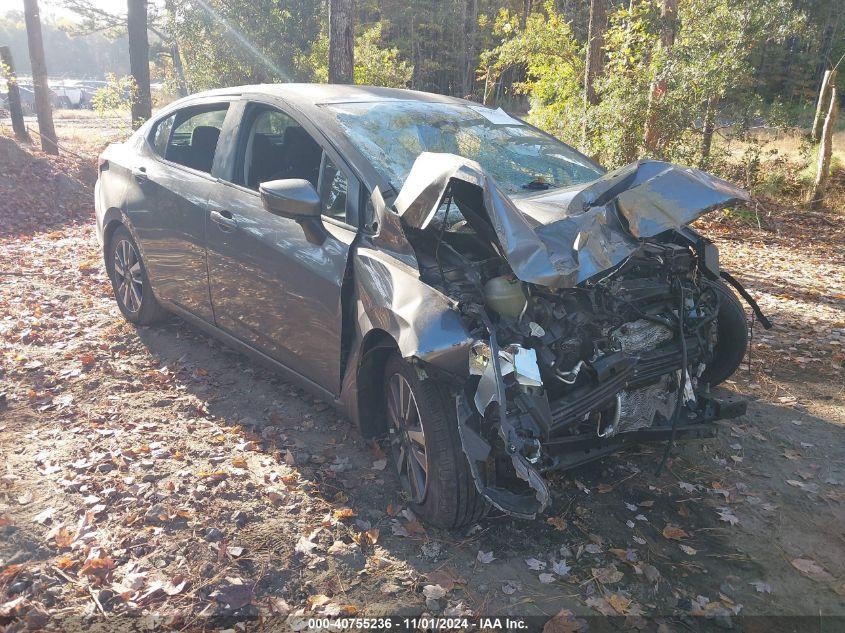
(166, 203)
(272, 286)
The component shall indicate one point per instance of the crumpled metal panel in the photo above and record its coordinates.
(514, 359)
(391, 297)
(564, 238)
(662, 196)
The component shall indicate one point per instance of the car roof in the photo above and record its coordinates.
(311, 95)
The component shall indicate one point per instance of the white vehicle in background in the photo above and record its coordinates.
(70, 95)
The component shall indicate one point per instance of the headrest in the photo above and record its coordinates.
(295, 136)
(205, 137)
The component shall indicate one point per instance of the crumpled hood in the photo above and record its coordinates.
(564, 237)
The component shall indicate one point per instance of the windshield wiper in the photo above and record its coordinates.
(538, 184)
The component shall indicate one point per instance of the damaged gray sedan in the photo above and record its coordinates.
(487, 300)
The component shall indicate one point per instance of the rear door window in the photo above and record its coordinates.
(189, 137)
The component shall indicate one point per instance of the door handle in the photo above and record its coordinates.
(224, 220)
(140, 174)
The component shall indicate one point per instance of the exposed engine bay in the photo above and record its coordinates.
(561, 375)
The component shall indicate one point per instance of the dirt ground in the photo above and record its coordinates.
(153, 478)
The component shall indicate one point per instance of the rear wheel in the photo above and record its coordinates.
(426, 450)
(129, 280)
(732, 333)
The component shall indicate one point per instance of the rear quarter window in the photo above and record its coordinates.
(161, 135)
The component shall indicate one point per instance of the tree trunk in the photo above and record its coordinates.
(595, 50)
(709, 127)
(526, 11)
(652, 135)
(816, 193)
(178, 69)
(341, 41)
(823, 104)
(471, 54)
(139, 60)
(15, 109)
(43, 104)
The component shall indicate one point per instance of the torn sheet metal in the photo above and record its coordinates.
(513, 359)
(565, 237)
(526, 504)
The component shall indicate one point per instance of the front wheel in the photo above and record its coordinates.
(426, 450)
(129, 280)
(732, 337)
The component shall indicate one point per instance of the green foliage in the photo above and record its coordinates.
(374, 64)
(232, 42)
(552, 60)
(115, 96)
(713, 57)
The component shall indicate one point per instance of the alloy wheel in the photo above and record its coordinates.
(407, 439)
(129, 285)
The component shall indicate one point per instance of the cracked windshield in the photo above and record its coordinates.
(521, 159)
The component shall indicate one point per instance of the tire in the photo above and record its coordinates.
(136, 300)
(732, 333)
(449, 498)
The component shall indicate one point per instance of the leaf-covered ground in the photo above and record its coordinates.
(151, 477)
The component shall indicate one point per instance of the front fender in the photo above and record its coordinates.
(424, 322)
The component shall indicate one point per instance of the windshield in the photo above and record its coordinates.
(391, 134)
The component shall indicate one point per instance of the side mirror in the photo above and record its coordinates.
(296, 199)
(292, 198)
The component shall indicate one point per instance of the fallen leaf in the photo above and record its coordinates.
(175, 586)
(485, 557)
(620, 603)
(601, 605)
(279, 606)
(811, 568)
(446, 578)
(761, 587)
(565, 622)
(727, 515)
(557, 522)
(44, 516)
(343, 513)
(674, 532)
(305, 546)
(99, 567)
(63, 536)
(334, 609)
(367, 537)
(536, 565)
(509, 588)
(434, 592)
(318, 600)
(607, 575)
(546, 578)
(561, 568)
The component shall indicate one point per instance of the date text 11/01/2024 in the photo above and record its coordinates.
(413, 624)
